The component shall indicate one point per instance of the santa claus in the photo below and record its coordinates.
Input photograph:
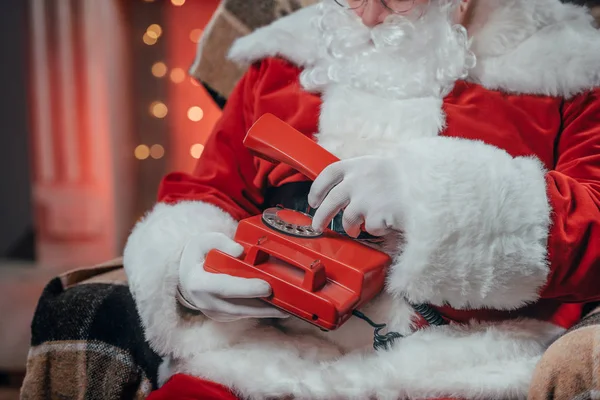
(469, 139)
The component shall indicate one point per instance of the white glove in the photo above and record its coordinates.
(221, 297)
(366, 188)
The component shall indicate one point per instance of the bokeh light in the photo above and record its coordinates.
(157, 151)
(159, 109)
(148, 39)
(159, 69)
(141, 152)
(196, 150)
(177, 75)
(154, 31)
(195, 114)
(195, 35)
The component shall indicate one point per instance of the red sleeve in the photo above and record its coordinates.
(228, 175)
(225, 173)
(574, 191)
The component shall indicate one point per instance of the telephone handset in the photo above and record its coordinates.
(272, 139)
(320, 277)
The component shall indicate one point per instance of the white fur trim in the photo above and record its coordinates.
(165, 371)
(151, 260)
(353, 123)
(523, 46)
(540, 47)
(478, 361)
(476, 225)
(356, 334)
(292, 37)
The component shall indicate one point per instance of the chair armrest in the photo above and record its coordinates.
(570, 368)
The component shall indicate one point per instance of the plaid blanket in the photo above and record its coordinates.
(87, 340)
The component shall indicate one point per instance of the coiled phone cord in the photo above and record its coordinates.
(385, 341)
(429, 314)
(380, 342)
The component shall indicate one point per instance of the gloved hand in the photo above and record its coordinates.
(221, 297)
(366, 188)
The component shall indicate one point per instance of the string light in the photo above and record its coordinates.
(195, 114)
(196, 150)
(177, 2)
(154, 31)
(157, 151)
(148, 39)
(141, 152)
(159, 69)
(177, 75)
(158, 109)
(195, 35)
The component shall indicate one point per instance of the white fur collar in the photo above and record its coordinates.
(524, 46)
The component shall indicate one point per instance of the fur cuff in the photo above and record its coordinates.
(478, 361)
(151, 260)
(476, 226)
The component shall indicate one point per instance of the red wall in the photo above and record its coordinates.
(184, 134)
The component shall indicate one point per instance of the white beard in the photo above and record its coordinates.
(405, 57)
(383, 85)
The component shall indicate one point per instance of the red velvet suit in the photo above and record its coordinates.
(564, 135)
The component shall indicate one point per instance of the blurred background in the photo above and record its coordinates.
(97, 105)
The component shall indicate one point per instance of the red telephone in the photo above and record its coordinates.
(321, 277)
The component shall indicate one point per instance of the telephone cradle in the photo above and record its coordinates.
(320, 277)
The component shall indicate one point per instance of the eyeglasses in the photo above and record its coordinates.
(394, 6)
